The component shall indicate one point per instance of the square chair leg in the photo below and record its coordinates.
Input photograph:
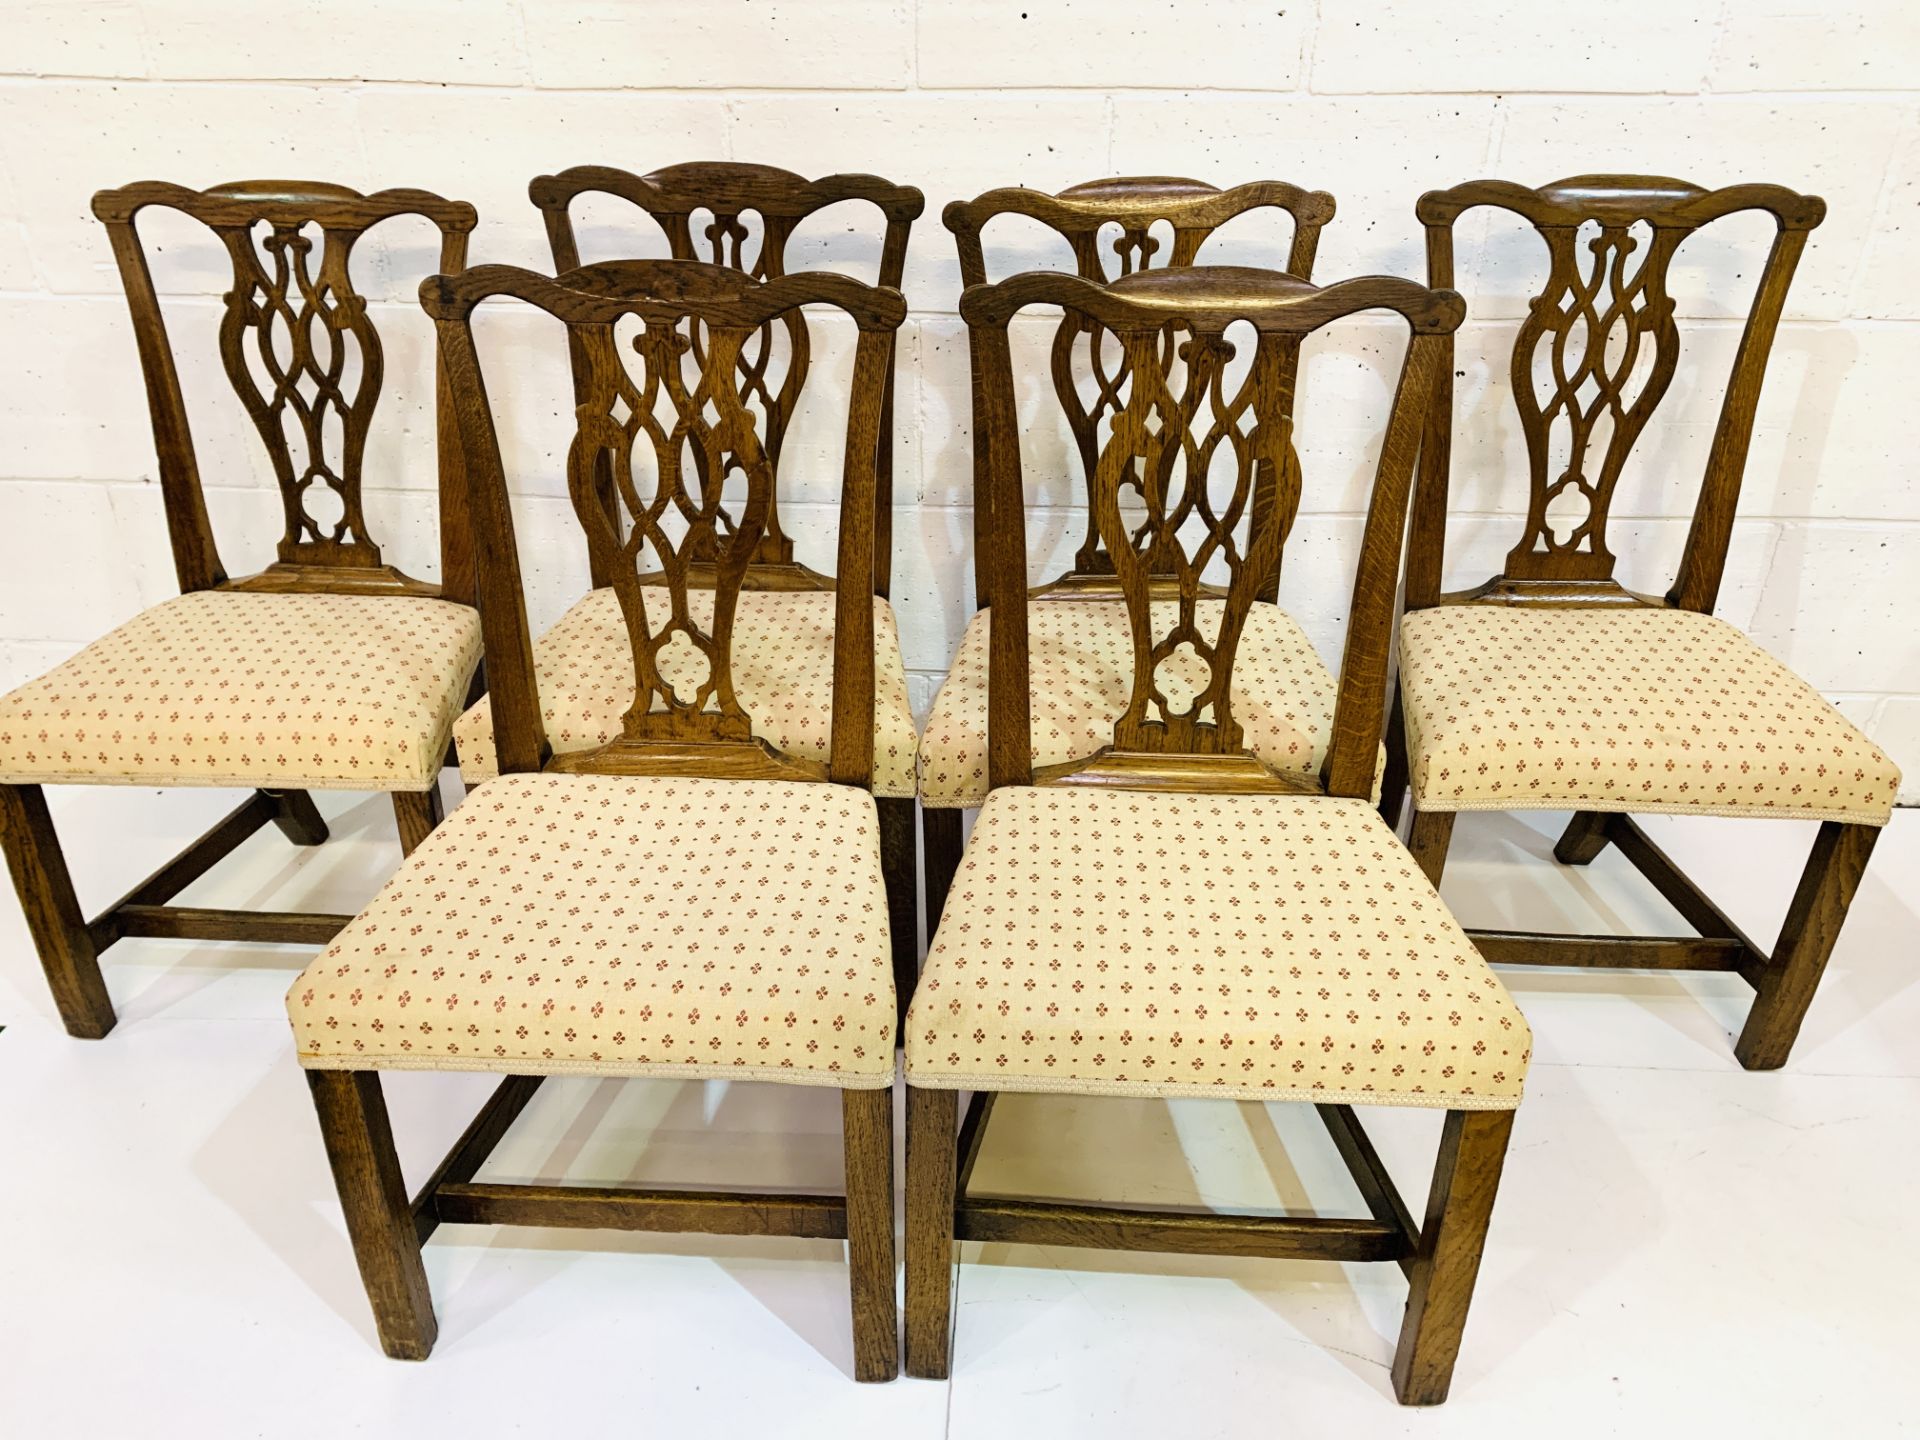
(59, 930)
(1819, 908)
(1473, 1148)
(867, 1126)
(931, 1119)
(417, 813)
(297, 817)
(940, 845)
(353, 1122)
(1428, 839)
(899, 864)
(1583, 840)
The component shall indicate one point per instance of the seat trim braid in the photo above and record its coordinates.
(1149, 1090)
(654, 1070)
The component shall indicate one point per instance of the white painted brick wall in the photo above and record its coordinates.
(1371, 99)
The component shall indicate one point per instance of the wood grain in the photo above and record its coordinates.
(867, 1123)
(1807, 937)
(1473, 1150)
(1085, 216)
(475, 1144)
(1593, 359)
(1161, 444)
(931, 1115)
(1602, 334)
(1282, 1237)
(359, 1141)
(59, 930)
(607, 1207)
(715, 432)
(416, 812)
(940, 851)
(695, 413)
(899, 864)
(303, 356)
(727, 192)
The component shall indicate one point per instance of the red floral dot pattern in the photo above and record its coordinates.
(1269, 947)
(1080, 666)
(615, 926)
(1636, 709)
(782, 673)
(225, 687)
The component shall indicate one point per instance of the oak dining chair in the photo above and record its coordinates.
(328, 670)
(1173, 913)
(1081, 667)
(1554, 687)
(746, 217)
(683, 900)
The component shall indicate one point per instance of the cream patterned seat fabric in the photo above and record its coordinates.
(1636, 709)
(782, 674)
(224, 687)
(1080, 656)
(1240, 947)
(606, 925)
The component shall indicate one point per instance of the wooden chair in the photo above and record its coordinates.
(327, 670)
(783, 635)
(1551, 686)
(1175, 915)
(1081, 669)
(683, 901)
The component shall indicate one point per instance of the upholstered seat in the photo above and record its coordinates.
(619, 926)
(1629, 709)
(223, 687)
(782, 672)
(1081, 657)
(1254, 947)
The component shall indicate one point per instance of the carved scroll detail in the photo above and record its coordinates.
(1603, 331)
(302, 323)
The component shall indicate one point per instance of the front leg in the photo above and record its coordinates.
(366, 1171)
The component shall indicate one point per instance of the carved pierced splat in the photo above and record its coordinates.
(1602, 335)
(292, 322)
(1593, 359)
(1160, 454)
(1111, 227)
(705, 434)
(660, 428)
(1199, 456)
(742, 217)
(305, 360)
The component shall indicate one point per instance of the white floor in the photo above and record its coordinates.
(1679, 1247)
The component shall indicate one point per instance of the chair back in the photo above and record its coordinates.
(704, 210)
(1110, 226)
(1207, 465)
(305, 359)
(1593, 360)
(656, 440)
